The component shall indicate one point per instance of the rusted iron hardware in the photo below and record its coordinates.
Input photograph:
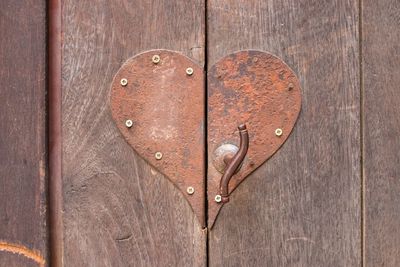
(157, 102)
(233, 163)
(259, 90)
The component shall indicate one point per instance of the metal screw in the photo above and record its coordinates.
(189, 71)
(218, 198)
(128, 123)
(158, 155)
(124, 82)
(278, 132)
(190, 190)
(155, 59)
(291, 86)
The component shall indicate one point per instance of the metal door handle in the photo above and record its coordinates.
(234, 163)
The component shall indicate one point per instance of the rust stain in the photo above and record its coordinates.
(23, 251)
(257, 89)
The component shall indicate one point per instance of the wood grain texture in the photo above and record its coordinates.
(23, 166)
(381, 128)
(301, 208)
(118, 211)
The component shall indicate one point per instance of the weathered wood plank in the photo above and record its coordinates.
(23, 166)
(302, 208)
(381, 128)
(118, 210)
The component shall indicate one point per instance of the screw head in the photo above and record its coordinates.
(190, 190)
(124, 82)
(158, 155)
(218, 198)
(189, 71)
(156, 59)
(278, 132)
(128, 123)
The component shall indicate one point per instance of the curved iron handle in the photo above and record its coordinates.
(234, 163)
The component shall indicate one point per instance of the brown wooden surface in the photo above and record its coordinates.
(117, 210)
(22, 133)
(381, 127)
(302, 208)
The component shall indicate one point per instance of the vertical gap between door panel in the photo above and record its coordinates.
(362, 176)
(206, 127)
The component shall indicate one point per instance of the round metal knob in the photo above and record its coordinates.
(223, 155)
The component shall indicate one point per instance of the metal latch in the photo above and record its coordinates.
(158, 104)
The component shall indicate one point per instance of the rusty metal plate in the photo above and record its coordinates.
(259, 90)
(157, 102)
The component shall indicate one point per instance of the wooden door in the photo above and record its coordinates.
(303, 207)
(23, 156)
(82, 196)
(118, 211)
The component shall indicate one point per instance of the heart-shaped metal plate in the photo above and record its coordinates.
(255, 88)
(157, 102)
